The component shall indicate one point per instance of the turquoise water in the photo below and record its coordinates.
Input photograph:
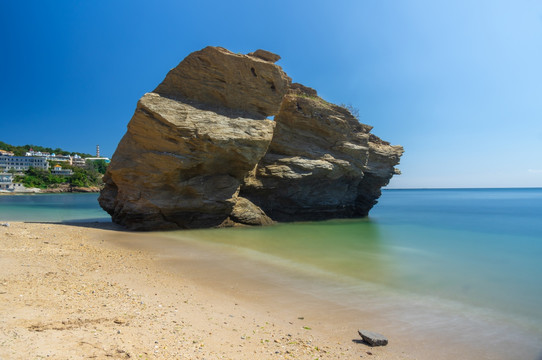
(52, 208)
(475, 247)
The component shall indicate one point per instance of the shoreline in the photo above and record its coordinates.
(37, 191)
(82, 290)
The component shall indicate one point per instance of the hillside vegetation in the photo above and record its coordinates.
(89, 176)
(23, 149)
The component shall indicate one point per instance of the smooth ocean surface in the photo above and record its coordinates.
(65, 207)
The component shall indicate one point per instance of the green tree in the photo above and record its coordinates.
(41, 178)
(55, 179)
(79, 179)
(22, 150)
(98, 165)
(85, 177)
(35, 177)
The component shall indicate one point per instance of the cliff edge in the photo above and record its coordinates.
(200, 150)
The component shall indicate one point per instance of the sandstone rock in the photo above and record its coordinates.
(322, 163)
(245, 212)
(299, 89)
(219, 77)
(373, 338)
(180, 164)
(199, 151)
(265, 55)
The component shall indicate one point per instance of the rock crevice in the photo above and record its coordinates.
(200, 151)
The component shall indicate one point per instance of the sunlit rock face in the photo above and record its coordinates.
(200, 150)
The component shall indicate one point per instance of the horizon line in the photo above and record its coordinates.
(462, 188)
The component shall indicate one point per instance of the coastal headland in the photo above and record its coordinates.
(92, 291)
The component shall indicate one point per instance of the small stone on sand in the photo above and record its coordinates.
(372, 338)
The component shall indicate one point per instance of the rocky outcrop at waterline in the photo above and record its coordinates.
(200, 150)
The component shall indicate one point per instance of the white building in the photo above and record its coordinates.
(7, 184)
(48, 156)
(37, 153)
(64, 158)
(6, 180)
(75, 160)
(78, 161)
(57, 170)
(22, 163)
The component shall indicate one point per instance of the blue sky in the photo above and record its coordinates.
(457, 83)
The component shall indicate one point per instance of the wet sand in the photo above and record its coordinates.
(94, 291)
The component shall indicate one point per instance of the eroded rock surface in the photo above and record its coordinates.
(317, 162)
(200, 152)
(181, 165)
(219, 77)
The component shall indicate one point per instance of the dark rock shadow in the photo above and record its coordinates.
(220, 110)
(102, 225)
(360, 341)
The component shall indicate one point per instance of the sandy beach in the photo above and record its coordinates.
(72, 292)
(93, 291)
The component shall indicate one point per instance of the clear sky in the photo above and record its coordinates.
(457, 83)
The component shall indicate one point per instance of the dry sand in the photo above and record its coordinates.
(93, 291)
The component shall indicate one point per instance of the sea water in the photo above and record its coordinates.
(463, 250)
(466, 249)
(66, 207)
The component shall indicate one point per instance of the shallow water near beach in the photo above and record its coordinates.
(469, 259)
(481, 247)
(67, 207)
(463, 259)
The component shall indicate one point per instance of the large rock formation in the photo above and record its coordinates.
(322, 162)
(200, 150)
